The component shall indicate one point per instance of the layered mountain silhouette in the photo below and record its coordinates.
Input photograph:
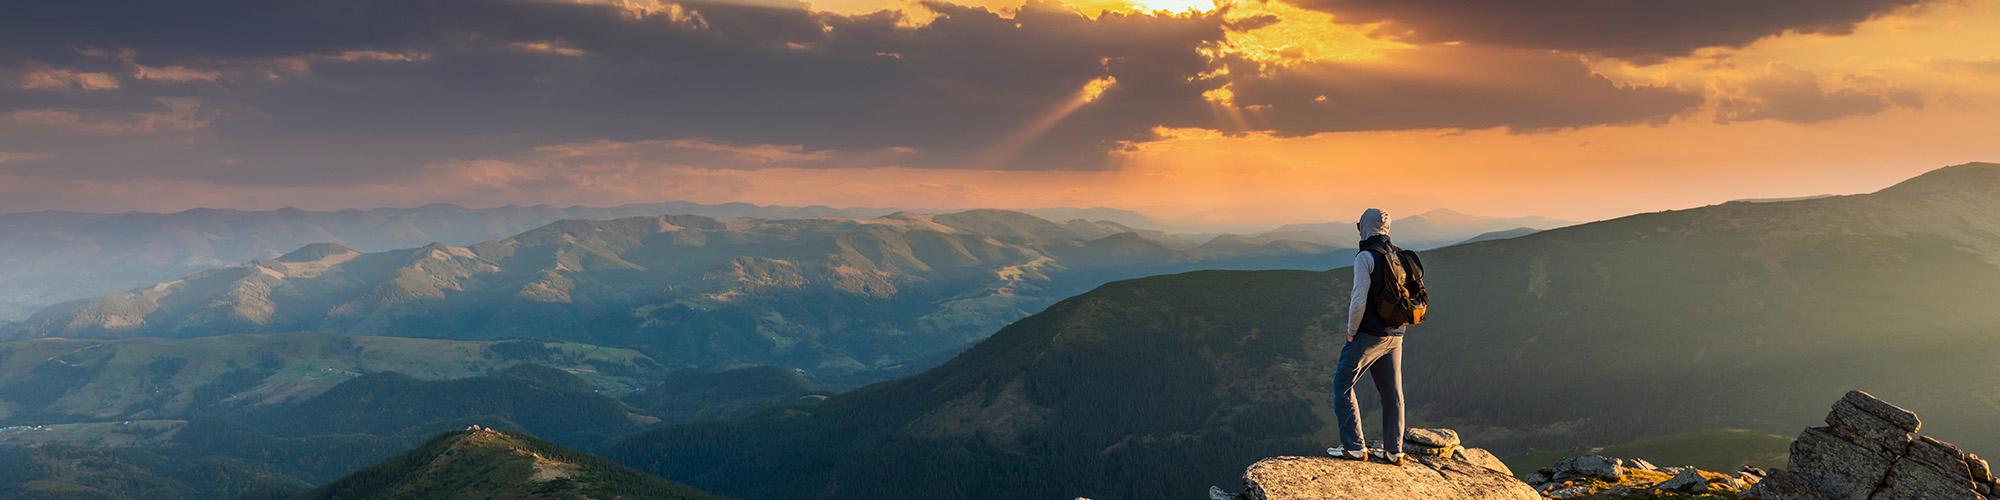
(481, 462)
(49, 257)
(1745, 315)
(1431, 229)
(831, 295)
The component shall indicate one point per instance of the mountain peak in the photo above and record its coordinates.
(481, 462)
(1446, 214)
(314, 252)
(1982, 177)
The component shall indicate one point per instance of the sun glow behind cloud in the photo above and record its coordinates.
(1013, 143)
(1290, 36)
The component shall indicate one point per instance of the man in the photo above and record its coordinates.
(1374, 345)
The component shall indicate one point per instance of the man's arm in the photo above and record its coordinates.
(1357, 301)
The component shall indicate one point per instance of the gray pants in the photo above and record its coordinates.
(1382, 358)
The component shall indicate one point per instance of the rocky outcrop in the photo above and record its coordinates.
(1439, 466)
(1289, 478)
(1596, 476)
(1869, 449)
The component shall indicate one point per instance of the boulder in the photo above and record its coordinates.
(1869, 449)
(1570, 492)
(1982, 472)
(1783, 485)
(1903, 419)
(1932, 470)
(1859, 419)
(1432, 438)
(1689, 480)
(1837, 467)
(1589, 466)
(1637, 463)
(1327, 478)
(1753, 470)
(1483, 458)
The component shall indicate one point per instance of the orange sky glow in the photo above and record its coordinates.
(1932, 73)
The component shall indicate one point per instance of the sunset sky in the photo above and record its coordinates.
(1225, 114)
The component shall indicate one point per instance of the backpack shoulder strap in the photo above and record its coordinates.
(1410, 259)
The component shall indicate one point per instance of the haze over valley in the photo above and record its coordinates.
(1000, 249)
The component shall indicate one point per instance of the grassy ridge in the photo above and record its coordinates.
(64, 380)
(474, 464)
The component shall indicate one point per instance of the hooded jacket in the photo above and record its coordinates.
(1374, 225)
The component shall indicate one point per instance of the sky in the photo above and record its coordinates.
(1199, 113)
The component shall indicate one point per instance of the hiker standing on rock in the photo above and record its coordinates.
(1388, 297)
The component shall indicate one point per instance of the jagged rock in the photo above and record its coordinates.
(1432, 438)
(1483, 458)
(1932, 469)
(1836, 467)
(1903, 419)
(1326, 478)
(1982, 472)
(1753, 470)
(1636, 463)
(1730, 483)
(1869, 422)
(1868, 450)
(1689, 480)
(1783, 485)
(1569, 492)
(1596, 466)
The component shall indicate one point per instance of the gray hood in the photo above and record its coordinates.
(1374, 222)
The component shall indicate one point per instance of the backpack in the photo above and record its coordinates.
(1403, 300)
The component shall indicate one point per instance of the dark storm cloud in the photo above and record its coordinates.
(727, 72)
(1633, 29)
(309, 92)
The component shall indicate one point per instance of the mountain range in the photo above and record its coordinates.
(52, 256)
(1744, 315)
(1432, 229)
(836, 296)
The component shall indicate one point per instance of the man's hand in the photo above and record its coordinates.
(1350, 337)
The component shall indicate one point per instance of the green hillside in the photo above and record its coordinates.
(65, 380)
(1745, 315)
(689, 395)
(484, 463)
(62, 472)
(534, 398)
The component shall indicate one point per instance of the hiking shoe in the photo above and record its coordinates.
(1388, 458)
(1361, 454)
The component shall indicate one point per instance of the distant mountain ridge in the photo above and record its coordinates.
(1746, 315)
(833, 295)
(52, 256)
(47, 257)
(1431, 229)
